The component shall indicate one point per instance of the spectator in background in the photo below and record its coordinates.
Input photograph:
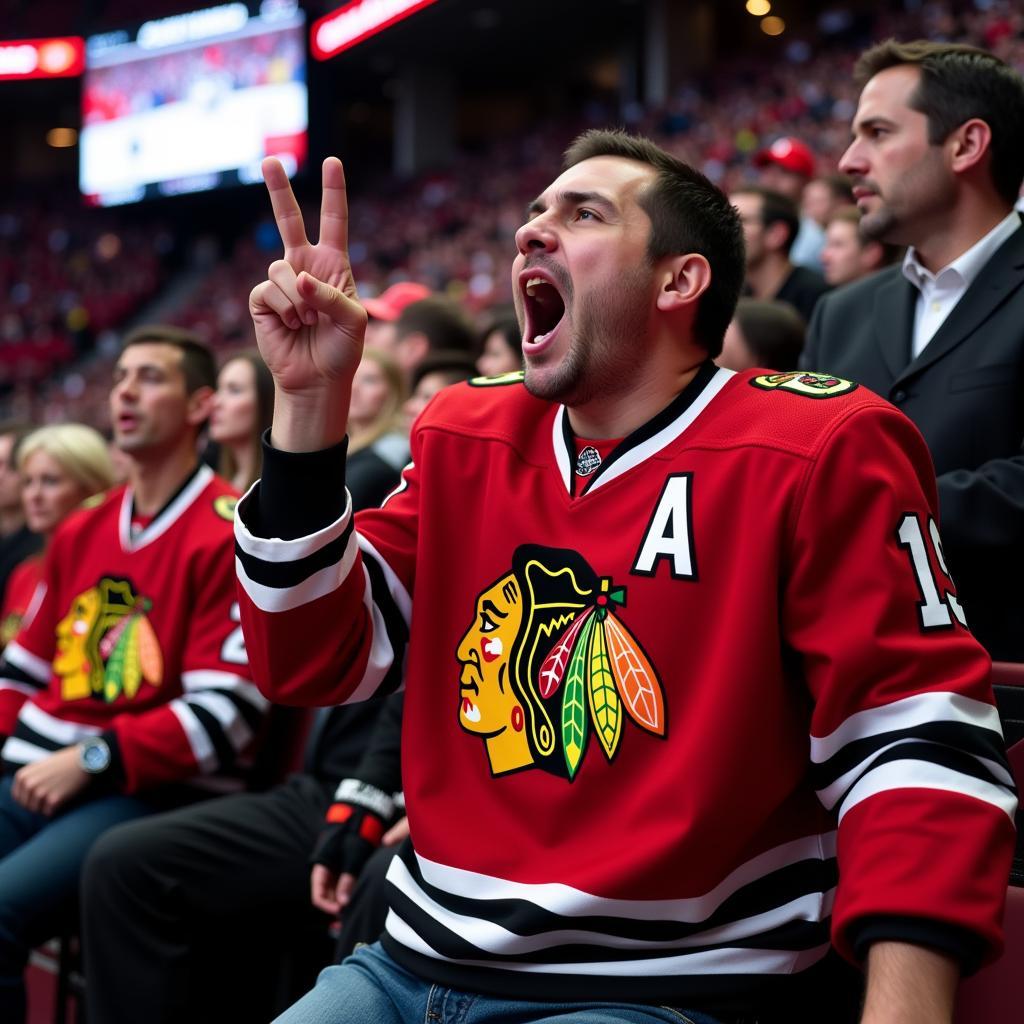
(937, 165)
(384, 310)
(824, 195)
(501, 349)
(770, 221)
(60, 466)
(437, 371)
(378, 443)
(17, 541)
(848, 256)
(131, 675)
(763, 333)
(200, 913)
(243, 406)
(429, 326)
(787, 167)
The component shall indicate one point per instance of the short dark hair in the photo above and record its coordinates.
(959, 83)
(17, 430)
(440, 320)
(197, 362)
(688, 213)
(773, 331)
(776, 208)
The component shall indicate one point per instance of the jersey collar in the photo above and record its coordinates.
(646, 440)
(166, 517)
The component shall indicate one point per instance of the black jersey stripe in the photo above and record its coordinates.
(287, 574)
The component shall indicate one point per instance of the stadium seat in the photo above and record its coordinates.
(993, 995)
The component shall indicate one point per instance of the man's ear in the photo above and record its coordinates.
(200, 405)
(969, 144)
(683, 282)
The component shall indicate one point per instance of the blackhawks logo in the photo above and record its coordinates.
(106, 645)
(812, 385)
(547, 663)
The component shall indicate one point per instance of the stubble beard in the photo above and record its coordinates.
(607, 342)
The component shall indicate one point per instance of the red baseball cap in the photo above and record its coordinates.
(790, 154)
(390, 303)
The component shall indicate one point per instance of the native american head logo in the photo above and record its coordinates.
(547, 661)
(106, 646)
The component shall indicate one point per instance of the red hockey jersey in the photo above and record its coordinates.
(655, 712)
(135, 635)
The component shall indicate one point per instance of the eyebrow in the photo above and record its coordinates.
(873, 121)
(488, 606)
(573, 199)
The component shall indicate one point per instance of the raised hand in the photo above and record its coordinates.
(309, 323)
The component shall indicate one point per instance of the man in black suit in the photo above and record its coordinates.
(937, 164)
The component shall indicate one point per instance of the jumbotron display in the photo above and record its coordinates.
(193, 102)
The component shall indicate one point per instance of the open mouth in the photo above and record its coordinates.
(544, 307)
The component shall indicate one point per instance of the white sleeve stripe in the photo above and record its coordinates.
(909, 775)
(382, 654)
(24, 688)
(921, 709)
(58, 730)
(320, 584)
(198, 739)
(395, 586)
(273, 549)
(226, 712)
(212, 679)
(20, 752)
(831, 794)
(29, 663)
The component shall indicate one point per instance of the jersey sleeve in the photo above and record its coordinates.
(220, 709)
(906, 748)
(340, 593)
(25, 667)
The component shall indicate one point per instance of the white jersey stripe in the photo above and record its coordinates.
(910, 775)
(29, 663)
(225, 711)
(395, 586)
(198, 739)
(61, 731)
(321, 583)
(490, 937)
(830, 795)
(566, 901)
(920, 709)
(26, 689)
(20, 752)
(715, 961)
(381, 655)
(166, 519)
(274, 549)
(213, 679)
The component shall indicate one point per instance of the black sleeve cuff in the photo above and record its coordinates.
(966, 947)
(114, 779)
(299, 493)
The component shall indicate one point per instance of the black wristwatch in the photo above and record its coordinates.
(94, 756)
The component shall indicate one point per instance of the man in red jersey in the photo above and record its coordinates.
(690, 700)
(129, 674)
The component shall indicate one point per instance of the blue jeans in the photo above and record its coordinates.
(40, 859)
(370, 986)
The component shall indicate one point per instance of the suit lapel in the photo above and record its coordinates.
(894, 322)
(996, 281)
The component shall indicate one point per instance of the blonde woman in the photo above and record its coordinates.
(60, 466)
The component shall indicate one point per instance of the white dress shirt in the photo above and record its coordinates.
(939, 293)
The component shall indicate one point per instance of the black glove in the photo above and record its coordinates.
(355, 825)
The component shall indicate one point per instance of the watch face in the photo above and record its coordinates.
(95, 756)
